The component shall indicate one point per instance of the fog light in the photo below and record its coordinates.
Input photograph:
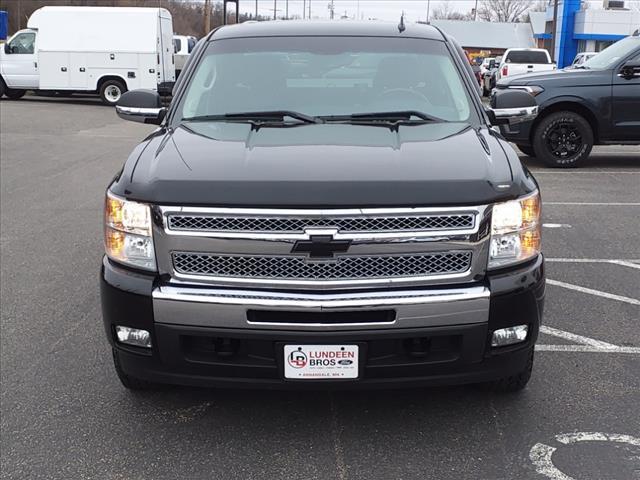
(509, 336)
(133, 336)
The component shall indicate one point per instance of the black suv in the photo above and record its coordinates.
(324, 204)
(597, 103)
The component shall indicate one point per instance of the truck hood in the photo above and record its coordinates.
(573, 77)
(229, 164)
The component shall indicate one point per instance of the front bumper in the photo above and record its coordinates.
(520, 134)
(220, 337)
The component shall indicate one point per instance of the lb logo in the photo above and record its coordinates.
(298, 359)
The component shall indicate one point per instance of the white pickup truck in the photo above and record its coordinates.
(517, 61)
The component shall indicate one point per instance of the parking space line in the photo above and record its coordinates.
(586, 349)
(592, 172)
(596, 204)
(591, 291)
(623, 263)
(576, 338)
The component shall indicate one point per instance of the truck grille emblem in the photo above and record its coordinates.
(321, 246)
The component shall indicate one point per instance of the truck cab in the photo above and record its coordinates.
(183, 46)
(19, 64)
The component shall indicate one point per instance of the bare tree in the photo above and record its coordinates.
(503, 10)
(538, 6)
(444, 12)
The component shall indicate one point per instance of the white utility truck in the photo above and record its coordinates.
(518, 61)
(105, 50)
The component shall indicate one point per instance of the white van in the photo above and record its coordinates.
(90, 49)
(183, 45)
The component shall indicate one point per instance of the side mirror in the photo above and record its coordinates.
(630, 70)
(511, 106)
(7, 49)
(142, 106)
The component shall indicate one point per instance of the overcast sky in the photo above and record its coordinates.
(380, 9)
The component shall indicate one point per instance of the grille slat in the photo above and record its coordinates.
(294, 268)
(292, 224)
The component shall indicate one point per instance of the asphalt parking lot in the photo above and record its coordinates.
(66, 416)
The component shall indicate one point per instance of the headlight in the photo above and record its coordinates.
(515, 231)
(534, 90)
(127, 233)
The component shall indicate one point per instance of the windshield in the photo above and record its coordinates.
(327, 76)
(611, 55)
(527, 56)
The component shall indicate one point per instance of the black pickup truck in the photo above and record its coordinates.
(597, 103)
(324, 204)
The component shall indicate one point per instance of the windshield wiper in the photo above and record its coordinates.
(261, 117)
(398, 116)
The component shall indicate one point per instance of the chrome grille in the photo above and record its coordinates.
(297, 224)
(348, 267)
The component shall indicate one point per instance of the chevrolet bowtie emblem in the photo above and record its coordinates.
(321, 246)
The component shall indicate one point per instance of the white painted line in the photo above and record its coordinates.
(569, 438)
(587, 349)
(556, 225)
(588, 172)
(590, 291)
(596, 204)
(572, 337)
(623, 263)
(540, 455)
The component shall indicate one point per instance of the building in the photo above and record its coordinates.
(490, 37)
(581, 29)
(578, 29)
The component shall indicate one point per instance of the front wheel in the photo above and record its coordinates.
(14, 94)
(111, 91)
(563, 139)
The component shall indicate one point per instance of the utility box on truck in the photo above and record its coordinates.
(100, 49)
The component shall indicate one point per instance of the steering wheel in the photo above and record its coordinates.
(406, 92)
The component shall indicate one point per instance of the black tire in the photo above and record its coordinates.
(563, 139)
(527, 150)
(109, 89)
(131, 383)
(512, 383)
(14, 94)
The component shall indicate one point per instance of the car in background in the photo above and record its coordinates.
(517, 61)
(182, 46)
(488, 80)
(581, 58)
(596, 104)
(486, 64)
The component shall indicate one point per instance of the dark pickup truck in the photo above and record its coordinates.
(324, 204)
(597, 103)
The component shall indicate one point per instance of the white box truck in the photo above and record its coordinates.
(105, 50)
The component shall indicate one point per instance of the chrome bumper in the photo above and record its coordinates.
(210, 307)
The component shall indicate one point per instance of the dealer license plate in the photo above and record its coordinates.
(320, 362)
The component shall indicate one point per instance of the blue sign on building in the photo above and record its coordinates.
(4, 25)
(586, 30)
